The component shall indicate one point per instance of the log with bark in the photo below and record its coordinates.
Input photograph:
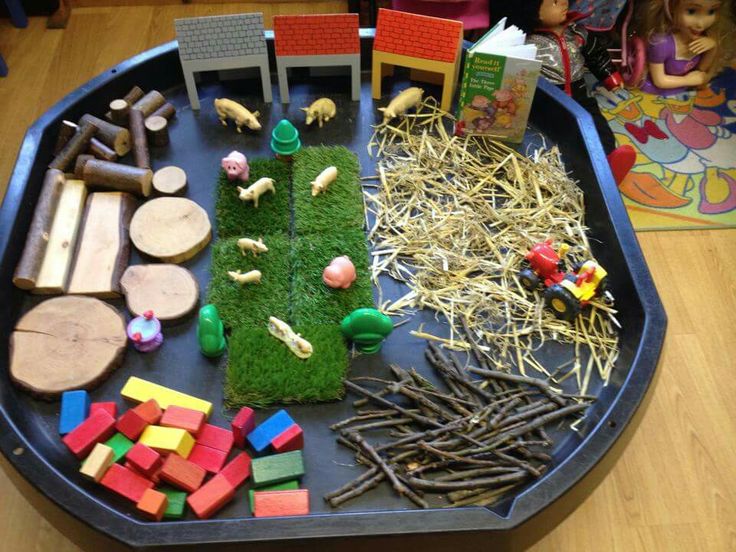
(141, 156)
(167, 111)
(76, 145)
(157, 130)
(114, 176)
(149, 103)
(113, 136)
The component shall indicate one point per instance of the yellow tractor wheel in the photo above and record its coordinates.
(563, 304)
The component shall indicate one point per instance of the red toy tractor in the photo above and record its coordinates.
(566, 293)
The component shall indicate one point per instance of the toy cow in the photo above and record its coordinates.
(340, 273)
(236, 166)
(322, 110)
(411, 97)
(252, 277)
(229, 109)
(325, 178)
(255, 190)
(255, 247)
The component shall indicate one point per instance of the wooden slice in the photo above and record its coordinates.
(119, 110)
(172, 229)
(170, 180)
(66, 343)
(157, 130)
(169, 290)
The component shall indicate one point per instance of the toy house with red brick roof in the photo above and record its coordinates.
(317, 41)
(427, 44)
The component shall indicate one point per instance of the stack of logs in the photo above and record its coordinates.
(473, 442)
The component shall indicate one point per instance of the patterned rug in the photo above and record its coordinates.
(685, 172)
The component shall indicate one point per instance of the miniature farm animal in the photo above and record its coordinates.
(340, 273)
(229, 109)
(255, 247)
(322, 110)
(411, 97)
(236, 166)
(255, 190)
(323, 180)
(295, 342)
(252, 277)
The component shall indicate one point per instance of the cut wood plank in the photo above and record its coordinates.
(54, 273)
(66, 343)
(169, 290)
(170, 180)
(172, 229)
(104, 246)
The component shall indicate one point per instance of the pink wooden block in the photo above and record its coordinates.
(242, 425)
(291, 439)
(215, 437)
(237, 470)
(110, 407)
(208, 458)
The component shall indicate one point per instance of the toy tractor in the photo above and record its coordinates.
(565, 293)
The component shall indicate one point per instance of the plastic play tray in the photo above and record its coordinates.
(28, 427)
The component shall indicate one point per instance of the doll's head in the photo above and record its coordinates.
(530, 15)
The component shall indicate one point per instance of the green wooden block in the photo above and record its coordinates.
(285, 486)
(269, 470)
(120, 446)
(177, 502)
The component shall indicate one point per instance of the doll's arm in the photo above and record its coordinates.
(663, 80)
(598, 62)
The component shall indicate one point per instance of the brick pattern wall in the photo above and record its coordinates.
(308, 35)
(220, 36)
(421, 36)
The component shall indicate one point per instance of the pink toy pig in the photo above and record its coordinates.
(236, 166)
(340, 273)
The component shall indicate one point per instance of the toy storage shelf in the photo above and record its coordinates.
(28, 428)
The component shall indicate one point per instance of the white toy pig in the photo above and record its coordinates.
(321, 110)
(227, 108)
(411, 97)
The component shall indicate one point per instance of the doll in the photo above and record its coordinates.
(566, 51)
(687, 43)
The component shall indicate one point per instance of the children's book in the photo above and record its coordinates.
(499, 80)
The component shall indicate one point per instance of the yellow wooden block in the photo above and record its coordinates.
(97, 463)
(168, 439)
(140, 390)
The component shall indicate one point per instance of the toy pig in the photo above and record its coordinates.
(252, 277)
(255, 247)
(229, 109)
(323, 180)
(322, 110)
(236, 166)
(411, 97)
(255, 190)
(340, 273)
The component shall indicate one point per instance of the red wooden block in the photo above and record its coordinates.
(131, 424)
(237, 470)
(291, 439)
(125, 482)
(183, 418)
(144, 459)
(98, 427)
(110, 407)
(242, 425)
(182, 473)
(281, 503)
(153, 504)
(212, 496)
(208, 458)
(155, 476)
(149, 411)
(215, 437)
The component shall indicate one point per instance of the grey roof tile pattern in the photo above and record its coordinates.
(220, 36)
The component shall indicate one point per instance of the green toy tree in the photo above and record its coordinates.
(285, 139)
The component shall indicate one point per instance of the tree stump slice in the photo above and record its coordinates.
(169, 290)
(172, 229)
(66, 343)
(170, 180)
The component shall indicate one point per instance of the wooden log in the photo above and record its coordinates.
(113, 136)
(130, 98)
(170, 291)
(30, 262)
(57, 260)
(141, 157)
(119, 110)
(76, 145)
(167, 111)
(170, 180)
(101, 151)
(66, 343)
(66, 131)
(114, 176)
(79, 165)
(149, 103)
(104, 247)
(157, 130)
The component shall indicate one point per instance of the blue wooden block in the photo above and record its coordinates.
(74, 410)
(266, 432)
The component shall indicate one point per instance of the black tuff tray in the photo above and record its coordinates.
(28, 427)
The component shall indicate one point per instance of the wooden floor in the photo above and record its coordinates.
(674, 487)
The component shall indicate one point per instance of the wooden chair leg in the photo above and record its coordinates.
(60, 17)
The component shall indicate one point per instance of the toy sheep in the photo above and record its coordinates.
(411, 97)
(227, 108)
(322, 110)
(252, 277)
(325, 178)
(255, 247)
(295, 342)
(255, 190)
(236, 166)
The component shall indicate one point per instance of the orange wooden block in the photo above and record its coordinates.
(182, 473)
(211, 496)
(153, 504)
(183, 418)
(131, 424)
(281, 503)
(149, 411)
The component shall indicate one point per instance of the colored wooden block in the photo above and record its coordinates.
(149, 411)
(276, 468)
(153, 504)
(211, 496)
(183, 418)
(155, 476)
(267, 431)
(237, 470)
(182, 473)
(168, 439)
(74, 410)
(208, 458)
(96, 428)
(285, 486)
(97, 463)
(215, 437)
(110, 407)
(144, 459)
(140, 390)
(281, 503)
(242, 425)
(120, 446)
(125, 482)
(131, 424)
(291, 439)
(177, 502)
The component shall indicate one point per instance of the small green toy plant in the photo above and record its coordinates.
(367, 328)
(285, 139)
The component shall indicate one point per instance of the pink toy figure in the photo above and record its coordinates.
(340, 273)
(145, 332)
(236, 166)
